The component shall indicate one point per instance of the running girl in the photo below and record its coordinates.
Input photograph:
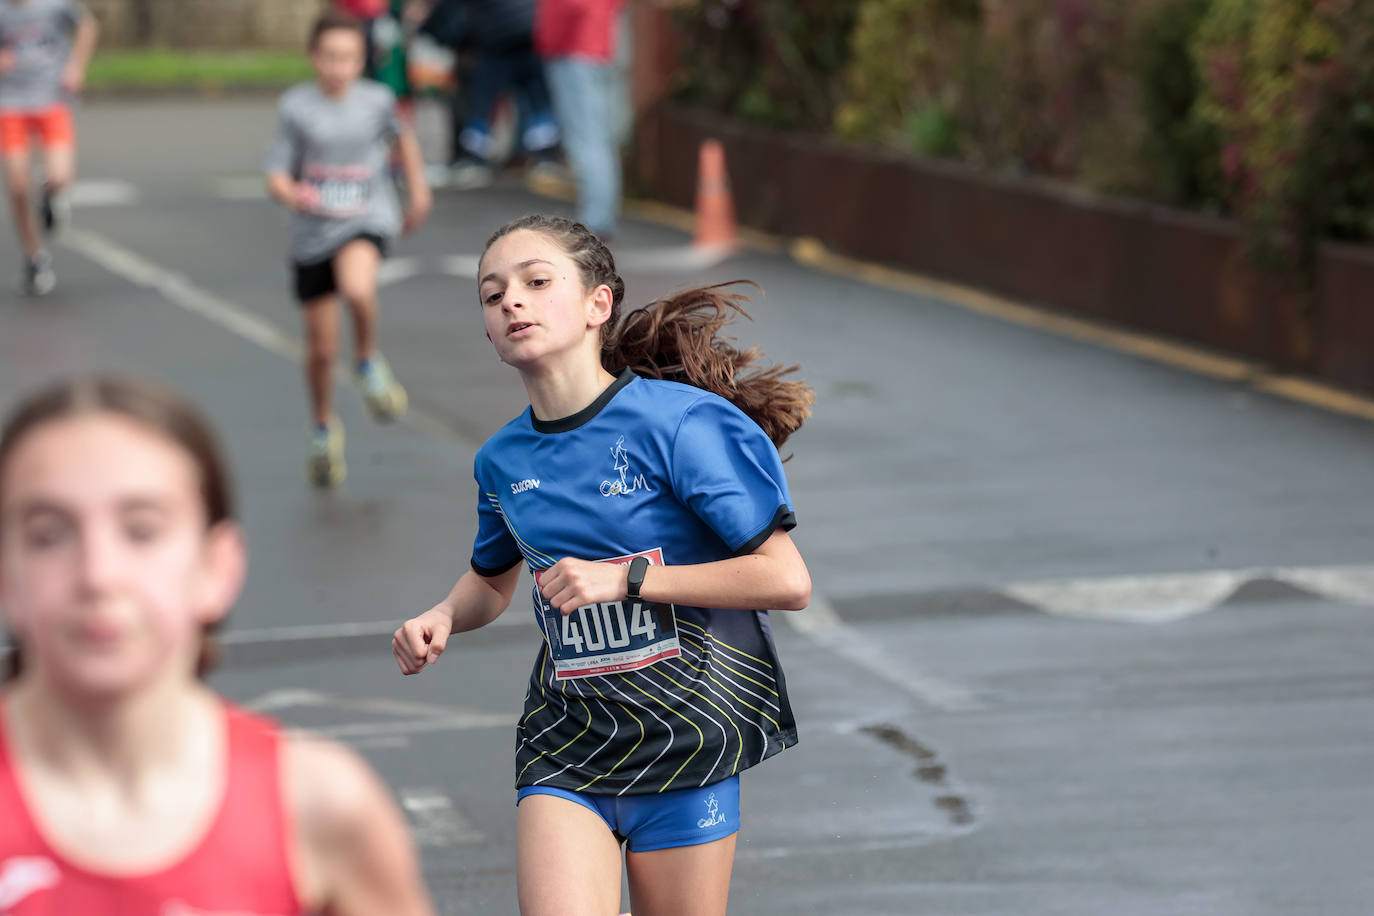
(329, 165)
(126, 785)
(654, 517)
(45, 46)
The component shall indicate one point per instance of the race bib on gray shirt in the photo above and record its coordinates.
(37, 36)
(341, 148)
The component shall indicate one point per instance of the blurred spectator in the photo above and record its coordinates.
(386, 25)
(447, 25)
(582, 43)
(368, 12)
(498, 36)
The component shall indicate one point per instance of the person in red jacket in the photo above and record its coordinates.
(126, 785)
(582, 45)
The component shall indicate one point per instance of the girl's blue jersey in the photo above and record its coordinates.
(633, 697)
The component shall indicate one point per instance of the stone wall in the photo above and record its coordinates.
(205, 23)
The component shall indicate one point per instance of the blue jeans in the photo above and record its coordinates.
(493, 73)
(584, 100)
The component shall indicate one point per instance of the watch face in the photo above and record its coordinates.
(638, 566)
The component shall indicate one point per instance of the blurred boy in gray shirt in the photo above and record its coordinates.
(329, 164)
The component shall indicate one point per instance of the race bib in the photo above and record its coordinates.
(609, 638)
(341, 192)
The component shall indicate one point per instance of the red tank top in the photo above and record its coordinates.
(240, 866)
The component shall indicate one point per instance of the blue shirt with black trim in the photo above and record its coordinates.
(636, 697)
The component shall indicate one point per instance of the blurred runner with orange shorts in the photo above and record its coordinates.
(45, 46)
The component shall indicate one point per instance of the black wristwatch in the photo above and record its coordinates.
(638, 566)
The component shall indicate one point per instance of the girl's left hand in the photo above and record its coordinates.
(570, 584)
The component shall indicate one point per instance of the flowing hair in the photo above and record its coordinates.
(678, 337)
(153, 406)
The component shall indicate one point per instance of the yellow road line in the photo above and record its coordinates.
(1317, 394)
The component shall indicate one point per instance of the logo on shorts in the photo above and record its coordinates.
(714, 815)
(623, 486)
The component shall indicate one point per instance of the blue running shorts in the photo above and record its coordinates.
(683, 817)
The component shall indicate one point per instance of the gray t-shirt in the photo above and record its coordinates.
(38, 33)
(341, 146)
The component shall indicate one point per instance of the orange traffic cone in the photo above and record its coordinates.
(715, 217)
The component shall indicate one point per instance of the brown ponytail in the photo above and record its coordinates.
(677, 338)
(154, 406)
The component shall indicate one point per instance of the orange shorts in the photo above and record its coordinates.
(53, 126)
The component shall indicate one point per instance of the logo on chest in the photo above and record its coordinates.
(24, 876)
(529, 483)
(623, 484)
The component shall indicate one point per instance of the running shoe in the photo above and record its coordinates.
(386, 399)
(436, 175)
(324, 464)
(469, 173)
(39, 278)
(546, 176)
(56, 212)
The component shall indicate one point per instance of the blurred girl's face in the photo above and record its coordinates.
(338, 58)
(108, 573)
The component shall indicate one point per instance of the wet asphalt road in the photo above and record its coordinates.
(977, 736)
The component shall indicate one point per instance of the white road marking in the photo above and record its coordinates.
(436, 820)
(460, 265)
(288, 698)
(379, 629)
(313, 632)
(1135, 599)
(294, 698)
(678, 257)
(1341, 583)
(178, 290)
(406, 718)
(380, 742)
(102, 193)
(1162, 598)
(395, 270)
(822, 625)
(240, 187)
